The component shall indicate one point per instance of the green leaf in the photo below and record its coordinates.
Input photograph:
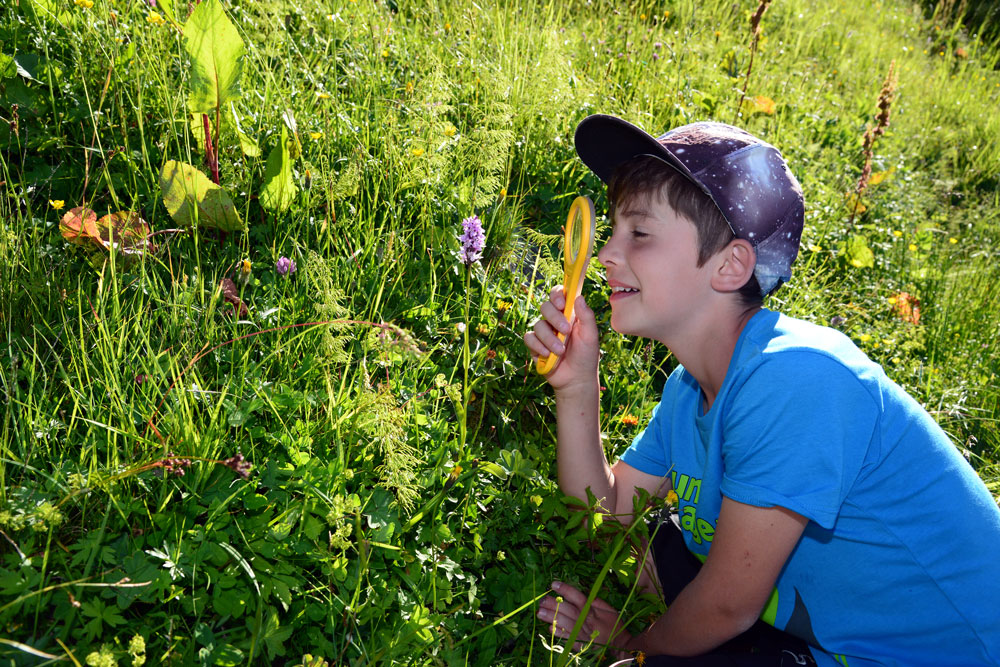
(216, 51)
(279, 187)
(247, 144)
(274, 634)
(243, 563)
(8, 68)
(858, 254)
(28, 65)
(192, 199)
(167, 7)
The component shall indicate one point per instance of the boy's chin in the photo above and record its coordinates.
(621, 328)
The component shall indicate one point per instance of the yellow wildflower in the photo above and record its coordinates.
(447, 26)
(323, 96)
(953, 240)
(864, 338)
(642, 17)
(912, 247)
(155, 18)
(86, 4)
(453, 476)
(629, 419)
(897, 233)
(315, 135)
(417, 152)
(504, 305)
(672, 498)
(57, 204)
(385, 53)
(503, 192)
(450, 131)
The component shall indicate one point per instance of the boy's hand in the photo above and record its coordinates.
(579, 355)
(562, 613)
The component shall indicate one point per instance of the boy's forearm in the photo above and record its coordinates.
(693, 625)
(580, 456)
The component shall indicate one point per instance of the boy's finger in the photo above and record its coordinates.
(570, 594)
(584, 313)
(555, 317)
(598, 603)
(553, 605)
(535, 346)
(548, 338)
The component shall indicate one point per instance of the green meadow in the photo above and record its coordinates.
(254, 407)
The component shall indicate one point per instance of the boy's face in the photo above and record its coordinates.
(651, 261)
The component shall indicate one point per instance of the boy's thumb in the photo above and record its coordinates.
(584, 313)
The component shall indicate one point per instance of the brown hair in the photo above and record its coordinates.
(646, 175)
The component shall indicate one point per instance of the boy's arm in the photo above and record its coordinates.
(750, 547)
(580, 455)
(581, 459)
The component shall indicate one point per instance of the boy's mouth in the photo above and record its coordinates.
(619, 291)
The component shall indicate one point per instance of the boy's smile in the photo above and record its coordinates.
(651, 261)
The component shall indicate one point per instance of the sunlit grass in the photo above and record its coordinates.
(368, 534)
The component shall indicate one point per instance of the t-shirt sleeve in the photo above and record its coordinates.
(797, 435)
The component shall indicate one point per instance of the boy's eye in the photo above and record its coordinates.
(638, 235)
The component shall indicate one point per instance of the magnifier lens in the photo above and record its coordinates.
(576, 235)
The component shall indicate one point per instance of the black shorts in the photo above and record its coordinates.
(760, 646)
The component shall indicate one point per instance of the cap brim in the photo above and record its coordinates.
(604, 142)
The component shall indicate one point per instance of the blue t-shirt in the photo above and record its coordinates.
(899, 563)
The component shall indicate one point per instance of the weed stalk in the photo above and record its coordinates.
(885, 98)
(754, 40)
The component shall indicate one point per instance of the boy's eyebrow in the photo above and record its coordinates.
(634, 213)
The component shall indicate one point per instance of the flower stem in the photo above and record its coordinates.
(466, 362)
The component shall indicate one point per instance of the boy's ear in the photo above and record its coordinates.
(734, 266)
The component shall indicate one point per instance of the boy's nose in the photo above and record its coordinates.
(607, 254)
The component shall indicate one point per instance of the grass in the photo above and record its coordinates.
(402, 505)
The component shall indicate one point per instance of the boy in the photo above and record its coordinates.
(820, 497)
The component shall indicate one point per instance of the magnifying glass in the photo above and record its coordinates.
(580, 231)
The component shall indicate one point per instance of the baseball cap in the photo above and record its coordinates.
(746, 178)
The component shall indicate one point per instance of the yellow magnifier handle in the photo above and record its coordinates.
(579, 246)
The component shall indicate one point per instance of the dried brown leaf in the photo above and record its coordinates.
(232, 295)
(79, 226)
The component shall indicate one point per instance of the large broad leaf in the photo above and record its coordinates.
(279, 186)
(193, 200)
(216, 52)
